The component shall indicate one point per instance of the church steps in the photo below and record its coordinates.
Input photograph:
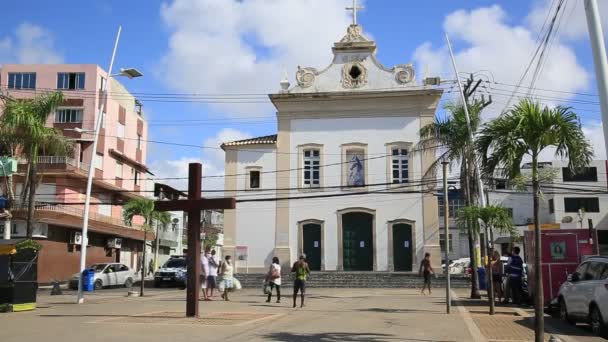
(356, 280)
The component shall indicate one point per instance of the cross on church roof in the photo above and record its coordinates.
(354, 9)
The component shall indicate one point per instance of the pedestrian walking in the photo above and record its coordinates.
(228, 283)
(204, 273)
(515, 268)
(301, 269)
(505, 281)
(151, 267)
(497, 271)
(426, 271)
(212, 275)
(274, 279)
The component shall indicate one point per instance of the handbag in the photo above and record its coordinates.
(266, 288)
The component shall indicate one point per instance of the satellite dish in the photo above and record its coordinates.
(567, 219)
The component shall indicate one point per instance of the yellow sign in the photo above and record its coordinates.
(546, 226)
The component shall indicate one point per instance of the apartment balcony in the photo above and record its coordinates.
(53, 164)
(72, 217)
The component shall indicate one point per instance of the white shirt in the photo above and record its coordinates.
(277, 268)
(212, 266)
(205, 264)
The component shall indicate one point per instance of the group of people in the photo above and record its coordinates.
(508, 279)
(211, 268)
(273, 279)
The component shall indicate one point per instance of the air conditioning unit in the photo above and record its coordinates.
(529, 220)
(115, 243)
(76, 238)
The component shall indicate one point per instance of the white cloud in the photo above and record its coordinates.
(573, 22)
(30, 44)
(211, 159)
(245, 46)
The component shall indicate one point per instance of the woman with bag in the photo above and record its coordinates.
(229, 283)
(274, 279)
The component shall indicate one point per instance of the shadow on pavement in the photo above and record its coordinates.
(337, 337)
(385, 310)
(555, 326)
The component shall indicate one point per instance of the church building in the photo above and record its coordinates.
(343, 180)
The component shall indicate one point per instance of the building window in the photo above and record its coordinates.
(102, 82)
(454, 206)
(139, 142)
(551, 206)
(120, 131)
(22, 80)
(586, 174)
(442, 243)
(70, 80)
(355, 167)
(98, 161)
(400, 165)
(68, 115)
(510, 212)
(136, 178)
(311, 170)
(254, 179)
(588, 204)
(119, 169)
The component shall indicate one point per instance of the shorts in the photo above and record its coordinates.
(427, 278)
(203, 282)
(299, 285)
(211, 282)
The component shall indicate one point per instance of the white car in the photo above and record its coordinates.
(584, 296)
(108, 274)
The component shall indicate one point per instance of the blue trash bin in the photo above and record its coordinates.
(481, 272)
(88, 275)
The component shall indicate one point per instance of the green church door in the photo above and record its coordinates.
(312, 245)
(357, 241)
(402, 247)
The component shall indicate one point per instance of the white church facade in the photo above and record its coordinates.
(344, 167)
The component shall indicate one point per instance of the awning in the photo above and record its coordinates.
(503, 239)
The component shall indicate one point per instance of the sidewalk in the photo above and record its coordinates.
(515, 324)
(331, 315)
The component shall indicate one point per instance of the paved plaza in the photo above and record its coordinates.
(330, 315)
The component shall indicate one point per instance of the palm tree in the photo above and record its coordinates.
(452, 135)
(525, 131)
(25, 122)
(494, 218)
(143, 207)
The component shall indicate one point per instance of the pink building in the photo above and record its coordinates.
(119, 163)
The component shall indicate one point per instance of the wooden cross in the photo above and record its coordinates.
(354, 9)
(193, 206)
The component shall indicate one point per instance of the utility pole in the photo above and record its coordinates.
(446, 225)
(596, 36)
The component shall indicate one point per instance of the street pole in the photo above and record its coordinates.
(91, 173)
(596, 36)
(156, 248)
(446, 222)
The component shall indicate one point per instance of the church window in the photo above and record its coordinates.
(254, 179)
(400, 165)
(312, 168)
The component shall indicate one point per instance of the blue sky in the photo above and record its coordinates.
(229, 46)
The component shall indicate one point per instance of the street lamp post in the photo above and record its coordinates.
(130, 73)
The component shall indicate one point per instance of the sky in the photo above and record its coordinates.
(221, 47)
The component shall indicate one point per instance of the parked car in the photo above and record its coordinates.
(172, 272)
(108, 274)
(584, 295)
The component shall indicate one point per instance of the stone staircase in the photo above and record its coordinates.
(333, 279)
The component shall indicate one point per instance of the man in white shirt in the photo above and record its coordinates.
(204, 273)
(212, 274)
